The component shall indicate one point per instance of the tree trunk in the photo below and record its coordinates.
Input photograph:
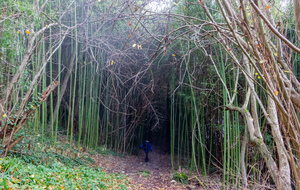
(284, 167)
(243, 152)
(64, 86)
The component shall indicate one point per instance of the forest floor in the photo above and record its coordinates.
(155, 174)
(42, 165)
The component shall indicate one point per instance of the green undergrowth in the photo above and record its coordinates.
(145, 172)
(17, 174)
(38, 163)
(181, 177)
(39, 150)
(106, 152)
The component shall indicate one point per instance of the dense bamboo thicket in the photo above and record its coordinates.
(213, 83)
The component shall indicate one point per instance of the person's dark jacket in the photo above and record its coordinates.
(146, 146)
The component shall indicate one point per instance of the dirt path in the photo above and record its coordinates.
(155, 174)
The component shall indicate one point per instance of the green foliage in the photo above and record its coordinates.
(16, 174)
(181, 177)
(19, 15)
(34, 103)
(268, 137)
(46, 154)
(41, 166)
(145, 172)
(106, 152)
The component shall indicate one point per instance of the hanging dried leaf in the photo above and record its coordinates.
(129, 23)
(200, 1)
(278, 24)
(133, 45)
(268, 7)
(139, 46)
(276, 93)
(165, 51)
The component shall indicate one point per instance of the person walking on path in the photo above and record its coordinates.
(146, 147)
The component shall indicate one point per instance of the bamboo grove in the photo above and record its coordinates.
(213, 83)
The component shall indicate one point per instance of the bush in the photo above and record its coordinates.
(145, 173)
(181, 177)
(16, 173)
